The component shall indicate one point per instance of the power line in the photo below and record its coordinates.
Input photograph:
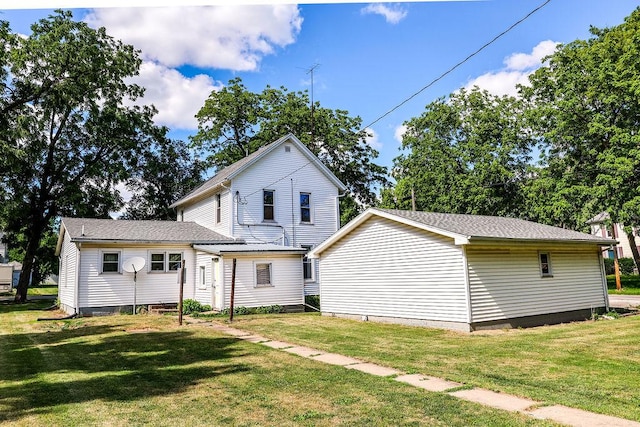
(441, 76)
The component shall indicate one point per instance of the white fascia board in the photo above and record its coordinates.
(459, 239)
(338, 235)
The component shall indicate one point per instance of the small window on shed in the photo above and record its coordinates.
(263, 275)
(545, 264)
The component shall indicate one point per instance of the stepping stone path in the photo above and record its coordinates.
(558, 413)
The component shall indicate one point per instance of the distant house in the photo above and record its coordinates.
(463, 272)
(601, 226)
(265, 211)
(4, 251)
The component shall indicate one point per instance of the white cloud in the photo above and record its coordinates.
(176, 97)
(392, 14)
(372, 140)
(517, 69)
(227, 37)
(399, 132)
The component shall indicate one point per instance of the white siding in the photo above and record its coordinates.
(506, 282)
(116, 289)
(286, 277)
(387, 269)
(301, 176)
(203, 212)
(67, 279)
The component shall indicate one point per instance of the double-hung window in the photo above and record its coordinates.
(218, 208)
(305, 207)
(545, 264)
(263, 274)
(268, 204)
(165, 261)
(110, 262)
(307, 264)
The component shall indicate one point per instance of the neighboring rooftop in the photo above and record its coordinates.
(599, 219)
(91, 229)
(493, 227)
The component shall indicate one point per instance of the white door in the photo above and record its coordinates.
(215, 269)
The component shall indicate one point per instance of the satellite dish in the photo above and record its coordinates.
(133, 264)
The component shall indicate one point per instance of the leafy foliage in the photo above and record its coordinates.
(465, 154)
(235, 122)
(191, 306)
(66, 134)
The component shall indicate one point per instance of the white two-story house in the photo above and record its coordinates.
(261, 214)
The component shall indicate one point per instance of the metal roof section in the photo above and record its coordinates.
(234, 169)
(256, 248)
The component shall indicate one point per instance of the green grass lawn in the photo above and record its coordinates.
(146, 370)
(630, 284)
(593, 365)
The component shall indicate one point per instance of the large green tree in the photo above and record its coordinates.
(235, 122)
(65, 133)
(165, 174)
(468, 153)
(585, 105)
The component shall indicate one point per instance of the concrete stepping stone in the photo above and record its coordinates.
(303, 351)
(336, 359)
(427, 383)
(579, 418)
(373, 369)
(230, 331)
(279, 345)
(490, 398)
(253, 338)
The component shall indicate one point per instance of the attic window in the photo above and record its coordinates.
(287, 148)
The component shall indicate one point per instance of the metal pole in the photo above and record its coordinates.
(233, 289)
(181, 293)
(135, 274)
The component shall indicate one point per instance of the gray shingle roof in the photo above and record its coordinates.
(492, 227)
(600, 218)
(140, 231)
(230, 171)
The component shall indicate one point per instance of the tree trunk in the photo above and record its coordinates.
(28, 263)
(634, 248)
(616, 264)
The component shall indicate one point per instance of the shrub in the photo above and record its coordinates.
(190, 306)
(312, 300)
(627, 265)
(267, 309)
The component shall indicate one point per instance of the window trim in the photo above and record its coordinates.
(541, 264)
(202, 280)
(273, 206)
(309, 261)
(166, 261)
(218, 208)
(119, 267)
(308, 207)
(256, 264)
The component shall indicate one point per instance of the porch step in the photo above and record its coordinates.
(163, 308)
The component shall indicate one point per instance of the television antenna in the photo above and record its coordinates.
(133, 265)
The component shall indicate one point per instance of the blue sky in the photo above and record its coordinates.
(369, 56)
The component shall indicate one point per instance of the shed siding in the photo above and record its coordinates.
(506, 282)
(384, 268)
(286, 289)
(116, 289)
(68, 273)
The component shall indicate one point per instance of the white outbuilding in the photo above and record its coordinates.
(463, 272)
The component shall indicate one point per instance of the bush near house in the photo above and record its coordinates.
(628, 281)
(627, 265)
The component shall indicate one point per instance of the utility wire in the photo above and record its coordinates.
(441, 76)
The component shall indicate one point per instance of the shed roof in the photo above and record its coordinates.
(249, 248)
(469, 229)
(234, 169)
(109, 230)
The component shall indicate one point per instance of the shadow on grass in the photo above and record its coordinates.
(116, 367)
(8, 306)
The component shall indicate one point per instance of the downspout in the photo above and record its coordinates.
(242, 224)
(467, 286)
(603, 276)
(77, 281)
(293, 224)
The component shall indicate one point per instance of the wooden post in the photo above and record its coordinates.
(233, 289)
(181, 293)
